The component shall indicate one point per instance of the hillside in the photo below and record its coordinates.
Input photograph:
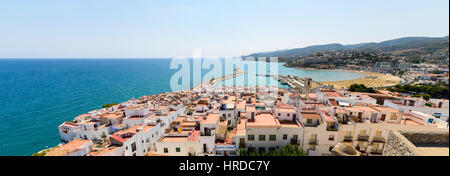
(415, 45)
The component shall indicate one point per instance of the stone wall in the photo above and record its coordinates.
(429, 137)
(403, 143)
(398, 145)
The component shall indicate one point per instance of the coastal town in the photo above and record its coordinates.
(304, 119)
(380, 70)
(253, 88)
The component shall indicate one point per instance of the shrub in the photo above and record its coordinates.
(361, 88)
(288, 150)
(109, 105)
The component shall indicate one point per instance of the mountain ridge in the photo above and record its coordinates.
(422, 44)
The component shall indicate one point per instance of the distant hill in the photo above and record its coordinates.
(407, 44)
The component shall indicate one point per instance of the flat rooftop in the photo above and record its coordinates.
(174, 139)
(210, 119)
(263, 120)
(289, 124)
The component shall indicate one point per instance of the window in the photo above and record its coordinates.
(133, 147)
(394, 117)
(308, 121)
(378, 134)
(262, 137)
(177, 149)
(279, 114)
(229, 115)
(313, 136)
(331, 138)
(312, 147)
(251, 137)
(166, 150)
(273, 137)
(285, 136)
(288, 114)
(348, 134)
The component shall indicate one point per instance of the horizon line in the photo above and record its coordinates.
(241, 56)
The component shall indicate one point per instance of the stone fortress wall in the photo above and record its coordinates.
(403, 143)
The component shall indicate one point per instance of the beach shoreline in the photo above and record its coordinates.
(369, 79)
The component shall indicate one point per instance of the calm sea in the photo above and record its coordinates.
(37, 95)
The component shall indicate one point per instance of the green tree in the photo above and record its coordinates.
(109, 105)
(361, 88)
(287, 150)
(423, 90)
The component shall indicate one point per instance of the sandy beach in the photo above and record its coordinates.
(371, 79)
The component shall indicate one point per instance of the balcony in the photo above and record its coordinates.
(378, 139)
(313, 142)
(311, 124)
(348, 138)
(363, 137)
(210, 132)
(207, 134)
(332, 128)
(361, 149)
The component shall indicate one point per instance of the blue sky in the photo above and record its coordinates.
(170, 28)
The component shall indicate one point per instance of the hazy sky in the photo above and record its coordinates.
(168, 28)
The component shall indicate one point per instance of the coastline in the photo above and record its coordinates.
(370, 79)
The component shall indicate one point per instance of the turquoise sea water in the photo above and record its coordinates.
(316, 75)
(37, 95)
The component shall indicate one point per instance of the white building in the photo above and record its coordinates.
(75, 147)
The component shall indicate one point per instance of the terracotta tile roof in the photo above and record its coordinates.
(118, 138)
(310, 115)
(194, 136)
